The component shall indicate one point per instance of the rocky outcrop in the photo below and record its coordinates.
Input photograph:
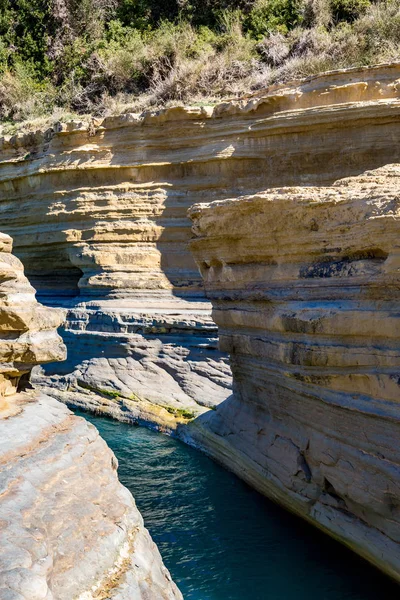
(141, 363)
(307, 312)
(99, 217)
(304, 283)
(102, 210)
(27, 330)
(68, 528)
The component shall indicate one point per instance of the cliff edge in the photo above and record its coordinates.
(305, 290)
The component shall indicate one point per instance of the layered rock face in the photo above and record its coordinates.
(141, 362)
(305, 288)
(27, 329)
(101, 222)
(102, 210)
(68, 528)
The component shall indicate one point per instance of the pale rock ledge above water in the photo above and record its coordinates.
(69, 529)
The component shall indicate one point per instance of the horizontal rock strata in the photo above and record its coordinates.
(99, 213)
(305, 290)
(141, 363)
(103, 210)
(28, 333)
(68, 529)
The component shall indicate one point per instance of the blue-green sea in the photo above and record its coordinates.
(220, 539)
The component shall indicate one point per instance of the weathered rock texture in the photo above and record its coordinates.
(305, 288)
(68, 529)
(28, 333)
(141, 362)
(102, 213)
(104, 210)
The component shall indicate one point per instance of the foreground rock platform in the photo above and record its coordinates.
(99, 214)
(305, 290)
(69, 529)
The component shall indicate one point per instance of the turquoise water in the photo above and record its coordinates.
(222, 540)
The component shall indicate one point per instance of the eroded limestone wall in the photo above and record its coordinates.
(305, 290)
(101, 212)
(28, 330)
(104, 208)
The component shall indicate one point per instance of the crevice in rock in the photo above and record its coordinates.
(331, 491)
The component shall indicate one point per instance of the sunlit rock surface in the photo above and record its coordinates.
(102, 210)
(305, 290)
(68, 528)
(28, 333)
(99, 220)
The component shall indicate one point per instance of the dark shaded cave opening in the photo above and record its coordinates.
(55, 284)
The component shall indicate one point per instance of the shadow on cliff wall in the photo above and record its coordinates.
(59, 284)
(182, 357)
(239, 163)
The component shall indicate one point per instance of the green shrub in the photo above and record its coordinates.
(273, 15)
(22, 96)
(97, 56)
(144, 14)
(380, 24)
(123, 60)
(180, 412)
(31, 27)
(348, 10)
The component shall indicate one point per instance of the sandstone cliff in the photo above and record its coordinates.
(305, 288)
(99, 217)
(69, 529)
(27, 329)
(103, 211)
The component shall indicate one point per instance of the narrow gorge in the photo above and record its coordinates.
(270, 222)
(69, 529)
(99, 220)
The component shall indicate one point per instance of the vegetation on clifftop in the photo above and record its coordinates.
(107, 56)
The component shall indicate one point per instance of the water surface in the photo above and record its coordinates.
(220, 539)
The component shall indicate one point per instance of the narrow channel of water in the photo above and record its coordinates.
(220, 539)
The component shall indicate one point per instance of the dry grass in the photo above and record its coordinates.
(176, 63)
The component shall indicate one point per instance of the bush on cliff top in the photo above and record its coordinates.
(106, 56)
